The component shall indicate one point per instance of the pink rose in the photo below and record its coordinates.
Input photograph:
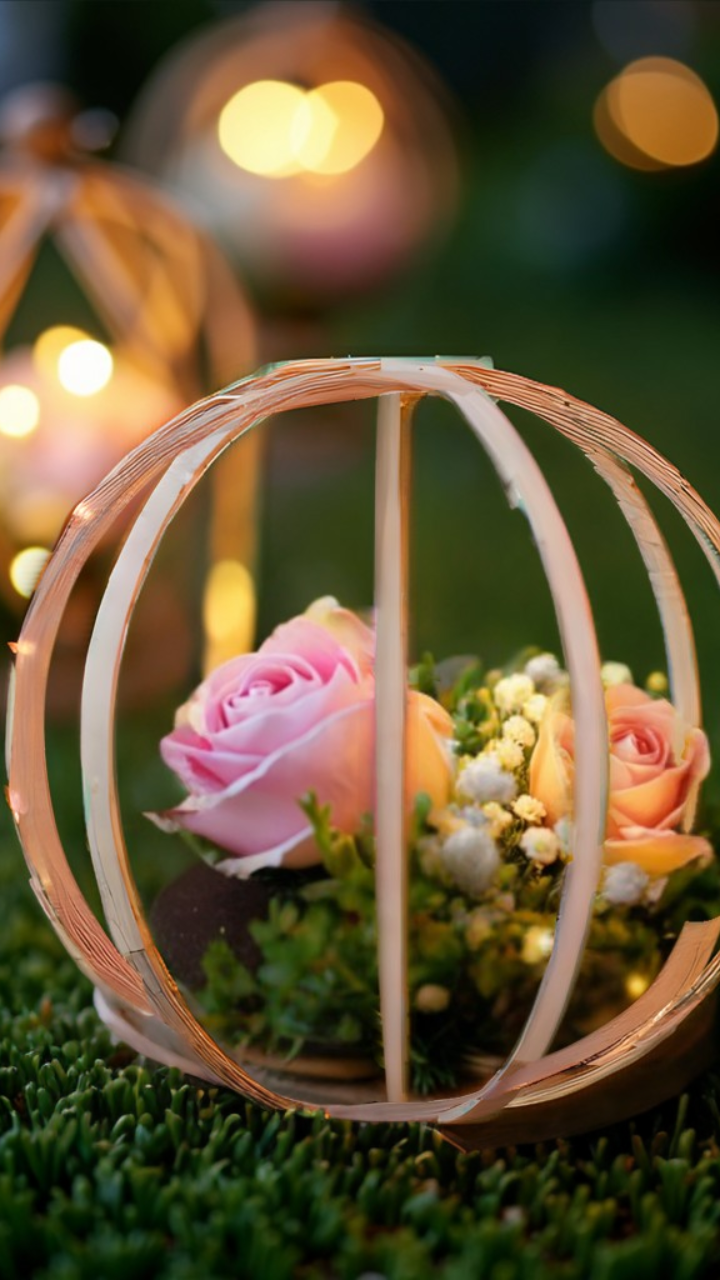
(656, 766)
(297, 716)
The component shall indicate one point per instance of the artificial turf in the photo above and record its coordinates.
(110, 1167)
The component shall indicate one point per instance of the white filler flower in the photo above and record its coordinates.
(485, 779)
(625, 884)
(471, 858)
(540, 845)
(544, 671)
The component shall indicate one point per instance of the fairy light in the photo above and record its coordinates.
(636, 984)
(276, 129)
(85, 367)
(19, 410)
(657, 114)
(50, 345)
(26, 568)
(537, 944)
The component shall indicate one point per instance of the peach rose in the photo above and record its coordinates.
(296, 716)
(656, 765)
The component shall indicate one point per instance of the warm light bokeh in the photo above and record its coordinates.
(49, 346)
(228, 611)
(657, 114)
(76, 439)
(636, 984)
(276, 129)
(85, 367)
(25, 569)
(19, 410)
(344, 121)
(255, 128)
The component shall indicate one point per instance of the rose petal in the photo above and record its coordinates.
(348, 630)
(651, 805)
(302, 638)
(300, 851)
(259, 815)
(201, 768)
(640, 747)
(620, 696)
(658, 853)
(429, 728)
(239, 690)
(267, 727)
(260, 811)
(551, 765)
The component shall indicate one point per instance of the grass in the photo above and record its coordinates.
(110, 1168)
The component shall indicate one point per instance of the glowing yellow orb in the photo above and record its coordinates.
(19, 410)
(657, 113)
(85, 367)
(25, 569)
(337, 127)
(255, 128)
(277, 129)
(636, 984)
(537, 944)
(49, 347)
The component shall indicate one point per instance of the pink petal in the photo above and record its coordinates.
(260, 811)
(213, 762)
(301, 638)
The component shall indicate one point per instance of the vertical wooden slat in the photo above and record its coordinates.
(391, 558)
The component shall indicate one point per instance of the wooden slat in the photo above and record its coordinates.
(391, 512)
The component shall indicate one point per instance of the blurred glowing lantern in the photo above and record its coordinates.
(161, 320)
(657, 114)
(315, 144)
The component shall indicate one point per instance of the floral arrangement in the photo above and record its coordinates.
(275, 750)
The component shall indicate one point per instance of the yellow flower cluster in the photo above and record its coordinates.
(491, 803)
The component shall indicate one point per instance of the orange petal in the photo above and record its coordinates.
(657, 853)
(618, 696)
(429, 727)
(649, 804)
(551, 766)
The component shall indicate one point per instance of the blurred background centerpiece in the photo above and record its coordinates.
(310, 140)
(115, 311)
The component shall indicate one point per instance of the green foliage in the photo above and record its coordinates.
(423, 676)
